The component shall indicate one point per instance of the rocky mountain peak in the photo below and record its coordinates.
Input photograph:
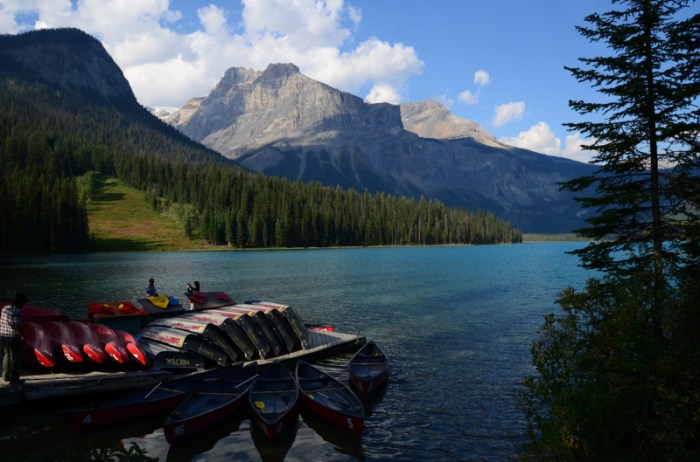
(430, 119)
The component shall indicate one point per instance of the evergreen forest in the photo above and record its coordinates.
(52, 144)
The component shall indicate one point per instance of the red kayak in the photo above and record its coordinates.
(37, 348)
(89, 341)
(65, 345)
(133, 348)
(110, 342)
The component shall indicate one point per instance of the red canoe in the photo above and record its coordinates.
(210, 404)
(133, 348)
(37, 348)
(274, 400)
(368, 368)
(110, 342)
(89, 341)
(162, 397)
(65, 345)
(330, 398)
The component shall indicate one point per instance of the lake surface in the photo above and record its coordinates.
(456, 322)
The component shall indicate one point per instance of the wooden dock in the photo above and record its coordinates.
(45, 385)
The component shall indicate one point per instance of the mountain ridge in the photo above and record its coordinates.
(283, 123)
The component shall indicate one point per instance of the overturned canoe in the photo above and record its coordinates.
(234, 331)
(206, 329)
(88, 341)
(293, 319)
(262, 322)
(37, 347)
(184, 340)
(65, 345)
(250, 327)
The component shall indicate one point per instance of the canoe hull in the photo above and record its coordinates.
(209, 405)
(140, 403)
(330, 398)
(369, 369)
(274, 400)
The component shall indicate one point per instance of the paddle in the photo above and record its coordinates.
(154, 389)
(253, 377)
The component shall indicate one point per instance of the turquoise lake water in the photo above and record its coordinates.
(456, 322)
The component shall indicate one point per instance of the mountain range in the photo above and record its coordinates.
(283, 123)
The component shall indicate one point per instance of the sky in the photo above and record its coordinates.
(499, 63)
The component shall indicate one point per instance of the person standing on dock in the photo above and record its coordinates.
(151, 289)
(11, 338)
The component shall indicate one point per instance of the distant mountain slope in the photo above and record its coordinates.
(67, 76)
(68, 59)
(283, 123)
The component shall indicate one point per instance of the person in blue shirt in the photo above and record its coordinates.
(151, 289)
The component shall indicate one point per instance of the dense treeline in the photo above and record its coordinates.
(48, 140)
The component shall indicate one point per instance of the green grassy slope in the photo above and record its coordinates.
(121, 220)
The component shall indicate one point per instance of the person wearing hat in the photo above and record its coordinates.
(11, 338)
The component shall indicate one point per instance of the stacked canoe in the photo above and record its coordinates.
(225, 334)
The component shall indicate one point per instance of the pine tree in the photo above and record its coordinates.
(618, 371)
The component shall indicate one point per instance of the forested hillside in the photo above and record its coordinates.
(50, 138)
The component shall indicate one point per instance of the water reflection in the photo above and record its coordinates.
(342, 441)
(205, 440)
(274, 451)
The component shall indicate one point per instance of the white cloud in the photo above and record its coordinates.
(165, 67)
(482, 78)
(540, 138)
(573, 148)
(467, 97)
(383, 93)
(508, 112)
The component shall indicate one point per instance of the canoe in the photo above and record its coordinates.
(368, 368)
(210, 331)
(256, 314)
(37, 348)
(133, 347)
(210, 404)
(293, 319)
(136, 404)
(274, 400)
(234, 331)
(279, 325)
(330, 398)
(88, 341)
(184, 340)
(110, 342)
(250, 327)
(64, 343)
(166, 357)
(37, 314)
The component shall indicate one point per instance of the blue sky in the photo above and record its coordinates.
(499, 63)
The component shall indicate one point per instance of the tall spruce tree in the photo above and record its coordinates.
(617, 371)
